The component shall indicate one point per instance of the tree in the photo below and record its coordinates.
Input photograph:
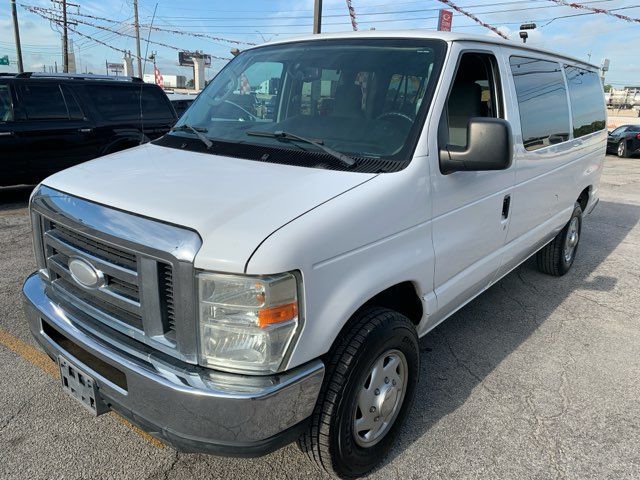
(190, 83)
(607, 88)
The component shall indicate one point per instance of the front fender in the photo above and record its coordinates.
(352, 248)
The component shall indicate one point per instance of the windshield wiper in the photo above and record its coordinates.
(185, 127)
(280, 134)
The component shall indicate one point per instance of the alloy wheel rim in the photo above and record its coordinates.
(620, 148)
(380, 398)
(571, 240)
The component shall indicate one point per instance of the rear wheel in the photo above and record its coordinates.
(622, 149)
(557, 257)
(368, 389)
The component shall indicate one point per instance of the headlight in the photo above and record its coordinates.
(246, 323)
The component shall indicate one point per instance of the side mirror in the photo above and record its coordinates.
(488, 148)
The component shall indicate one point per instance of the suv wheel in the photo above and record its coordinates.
(369, 387)
(557, 257)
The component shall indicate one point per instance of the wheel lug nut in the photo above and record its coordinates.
(386, 379)
(376, 419)
(377, 392)
(372, 409)
(393, 383)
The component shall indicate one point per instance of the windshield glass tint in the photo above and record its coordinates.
(363, 98)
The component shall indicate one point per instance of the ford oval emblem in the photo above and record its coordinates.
(85, 274)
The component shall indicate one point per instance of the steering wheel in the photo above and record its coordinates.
(396, 116)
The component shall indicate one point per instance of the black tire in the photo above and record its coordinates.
(621, 151)
(552, 259)
(330, 440)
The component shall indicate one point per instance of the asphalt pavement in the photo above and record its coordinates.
(538, 378)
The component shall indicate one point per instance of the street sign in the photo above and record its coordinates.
(4, 60)
(186, 58)
(444, 20)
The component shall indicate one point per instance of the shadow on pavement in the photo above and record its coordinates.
(14, 198)
(460, 353)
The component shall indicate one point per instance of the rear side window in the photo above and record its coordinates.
(587, 102)
(155, 105)
(43, 101)
(6, 113)
(123, 102)
(115, 102)
(542, 101)
(75, 112)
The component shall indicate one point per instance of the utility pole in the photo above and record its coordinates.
(136, 24)
(317, 16)
(65, 38)
(16, 34)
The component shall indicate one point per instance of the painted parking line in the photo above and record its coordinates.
(41, 360)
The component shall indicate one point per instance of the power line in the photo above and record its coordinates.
(596, 10)
(48, 11)
(57, 20)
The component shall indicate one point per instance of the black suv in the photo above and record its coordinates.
(51, 122)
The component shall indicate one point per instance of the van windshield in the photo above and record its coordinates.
(365, 98)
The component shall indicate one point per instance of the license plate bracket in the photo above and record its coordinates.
(81, 387)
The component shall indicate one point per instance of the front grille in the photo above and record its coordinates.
(119, 298)
(144, 270)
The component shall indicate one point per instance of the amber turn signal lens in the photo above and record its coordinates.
(279, 314)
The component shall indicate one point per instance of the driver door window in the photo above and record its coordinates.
(473, 94)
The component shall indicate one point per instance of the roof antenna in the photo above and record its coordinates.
(146, 51)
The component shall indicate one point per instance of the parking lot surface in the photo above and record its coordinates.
(537, 378)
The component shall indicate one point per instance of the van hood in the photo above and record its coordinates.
(233, 204)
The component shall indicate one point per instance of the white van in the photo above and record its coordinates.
(263, 273)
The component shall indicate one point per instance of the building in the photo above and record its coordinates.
(169, 81)
(627, 97)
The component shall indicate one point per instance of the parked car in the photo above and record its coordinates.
(49, 122)
(242, 283)
(180, 101)
(624, 141)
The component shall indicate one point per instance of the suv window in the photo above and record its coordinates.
(155, 104)
(75, 112)
(473, 94)
(43, 101)
(542, 101)
(587, 102)
(122, 102)
(6, 113)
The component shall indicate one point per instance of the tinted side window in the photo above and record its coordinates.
(6, 113)
(43, 101)
(542, 100)
(116, 102)
(75, 112)
(155, 105)
(587, 104)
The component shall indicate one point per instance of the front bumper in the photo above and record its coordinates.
(191, 408)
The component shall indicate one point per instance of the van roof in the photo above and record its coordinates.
(428, 34)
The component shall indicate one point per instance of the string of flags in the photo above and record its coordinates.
(580, 6)
(352, 15)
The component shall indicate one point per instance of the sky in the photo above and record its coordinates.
(590, 37)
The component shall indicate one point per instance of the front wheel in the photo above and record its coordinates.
(557, 257)
(368, 389)
(622, 149)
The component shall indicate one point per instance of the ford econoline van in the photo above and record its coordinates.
(262, 273)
